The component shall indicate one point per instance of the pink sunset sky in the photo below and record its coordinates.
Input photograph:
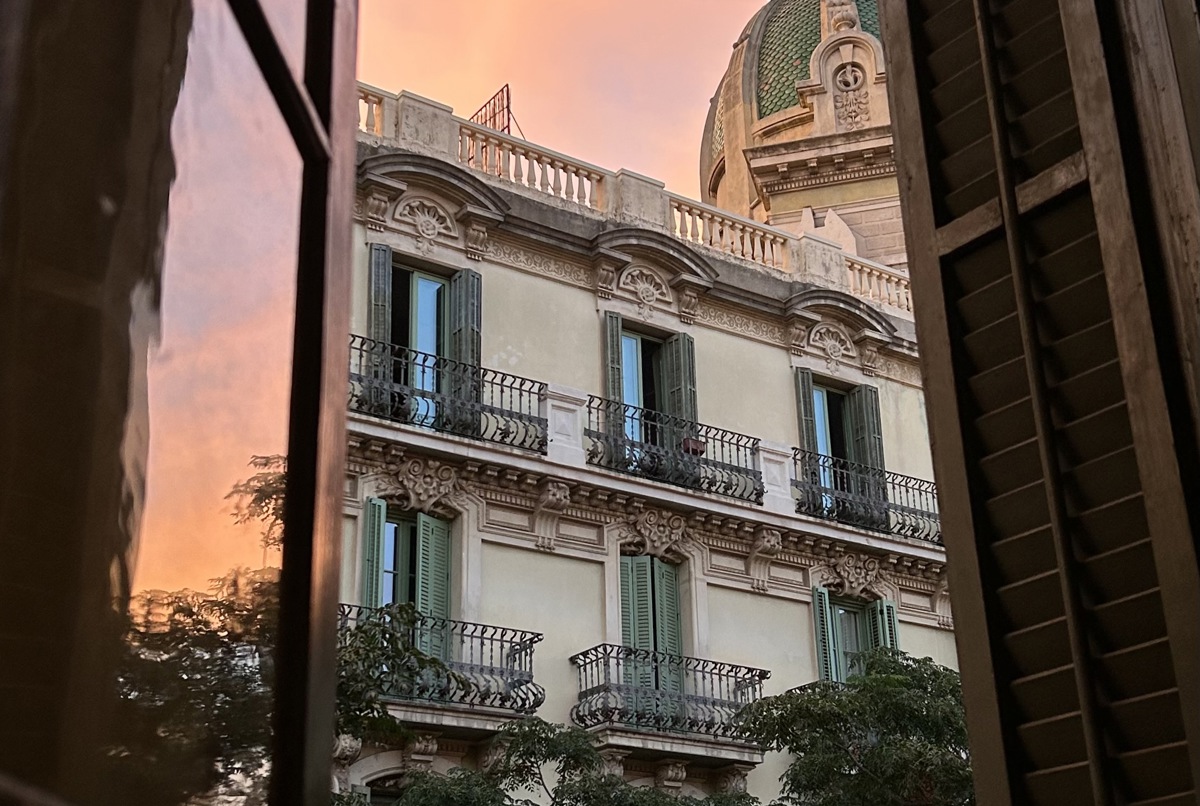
(620, 84)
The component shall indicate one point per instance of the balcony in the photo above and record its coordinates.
(839, 490)
(415, 388)
(663, 448)
(653, 691)
(489, 667)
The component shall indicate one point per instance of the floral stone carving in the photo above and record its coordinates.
(552, 500)
(428, 219)
(831, 340)
(421, 484)
(655, 532)
(850, 575)
(646, 287)
(766, 546)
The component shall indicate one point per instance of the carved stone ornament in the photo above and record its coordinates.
(345, 751)
(477, 239)
(941, 602)
(553, 498)
(870, 361)
(613, 761)
(422, 749)
(420, 484)
(655, 532)
(689, 301)
(797, 334)
(376, 193)
(606, 279)
(850, 99)
(429, 220)
(850, 575)
(670, 773)
(493, 752)
(647, 288)
(731, 780)
(766, 546)
(843, 14)
(830, 339)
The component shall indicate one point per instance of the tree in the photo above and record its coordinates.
(894, 735)
(531, 747)
(260, 498)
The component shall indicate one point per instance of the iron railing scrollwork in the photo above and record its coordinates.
(658, 446)
(839, 490)
(619, 685)
(409, 386)
(485, 665)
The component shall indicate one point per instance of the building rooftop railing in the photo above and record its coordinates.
(416, 388)
(485, 665)
(839, 490)
(408, 119)
(657, 446)
(637, 688)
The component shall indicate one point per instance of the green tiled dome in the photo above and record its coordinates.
(791, 33)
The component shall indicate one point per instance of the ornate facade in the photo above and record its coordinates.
(590, 413)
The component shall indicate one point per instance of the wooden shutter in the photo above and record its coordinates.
(825, 630)
(612, 356)
(881, 622)
(374, 527)
(668, 628)
(637, 618)
(806, 415)
(379, 297)
(675, 372)
(865, 437)
(466, 317)
(433, 583)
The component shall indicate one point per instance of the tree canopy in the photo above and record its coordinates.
(894, 735)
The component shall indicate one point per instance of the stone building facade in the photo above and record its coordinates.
(638, 459)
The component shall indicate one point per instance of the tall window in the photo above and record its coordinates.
(649, 376)
(405, 560)
(845, 627)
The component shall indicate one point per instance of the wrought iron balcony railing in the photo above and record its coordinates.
(847, 492)
(409, 386)
(622, 686)
(486, 665)
(657, 446)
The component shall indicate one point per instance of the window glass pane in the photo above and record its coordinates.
(390, 533)
(211, 352)
(631, 366)
(288, 23)
(821, 414)
(428, 326)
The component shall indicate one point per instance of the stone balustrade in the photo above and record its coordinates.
(430, 127)
(519, 161)
(877, 282)
(709, 226)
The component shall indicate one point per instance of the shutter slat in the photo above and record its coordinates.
(668, 627)
(826, 635)
(639, 670)
(805, 411)
(466, 317)
(374, 526)
(379, 302)
(866, 428)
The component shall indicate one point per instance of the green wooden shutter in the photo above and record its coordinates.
(379, 297)
(675, 371)
(613, 379)
(881, 620)
(828, 646)
(374, 527)
(466, 317)
(668, 627)
(637, 618)
(433, 583)
(805, 411)
(865, 437)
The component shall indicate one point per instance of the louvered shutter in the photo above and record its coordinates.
(613, 378)
(462, 378)
(379, 298)
(865, 446)
(676, 377)
(668, 632)
(881, 620)
(374, 526)
(825, 630)
(806, 415)
(637, 618)
(433, 584)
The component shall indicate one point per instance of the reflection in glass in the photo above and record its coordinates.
(195, 680)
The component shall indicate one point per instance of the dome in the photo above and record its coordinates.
(780, 60)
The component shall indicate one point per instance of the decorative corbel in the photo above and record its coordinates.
(377, 193)
(688, 290)
(607, 264)
(476, 222)
(766, 546)
(870, 344)
(799, 322)
(670, 773)
(553, 498)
